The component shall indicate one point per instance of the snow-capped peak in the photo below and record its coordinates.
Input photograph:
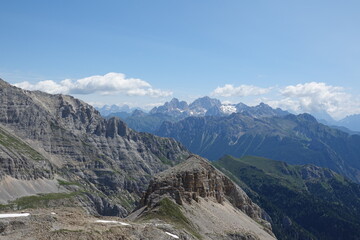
(228, 108)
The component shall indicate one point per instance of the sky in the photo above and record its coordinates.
(302, 56)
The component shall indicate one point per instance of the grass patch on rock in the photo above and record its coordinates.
(15, 145)
(37, 201)
(66, 183)
(168, 211)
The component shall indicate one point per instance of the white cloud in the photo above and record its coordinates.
(317, 97)
(111, 83)
(228, 90)
(48, 86)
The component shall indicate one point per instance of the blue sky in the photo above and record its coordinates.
(300, 55)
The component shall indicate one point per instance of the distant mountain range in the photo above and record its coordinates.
(206, 106)
(176, 110)
(211, 129)
(106, 110)
(351, 122)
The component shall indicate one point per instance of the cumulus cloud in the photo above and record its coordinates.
(228, 90)
(317, 97)
(111, 83)
(48, 86)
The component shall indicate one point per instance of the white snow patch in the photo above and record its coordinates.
(172, 235)
(110, 221)
(228, 109)
(12, 215)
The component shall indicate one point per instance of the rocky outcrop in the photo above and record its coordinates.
(312, 172)
(66, 136)
(195, 182)
(196, 178)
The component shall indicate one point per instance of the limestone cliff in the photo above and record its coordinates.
(48, 136)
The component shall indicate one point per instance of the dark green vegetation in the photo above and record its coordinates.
(304, 202)
(170, 212)
(293, 139)
(66, 183)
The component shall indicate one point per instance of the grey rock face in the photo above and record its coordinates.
(70, 138)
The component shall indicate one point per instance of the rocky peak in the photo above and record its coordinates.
(170, 107)
(196, 179)
(240, 107)
(109, 109)
(312, 172)
(138, 113)
(307, 118)
(264, 106)
(3, 83)
(205, 102)
(173, 102)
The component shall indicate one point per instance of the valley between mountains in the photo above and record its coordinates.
(81, 175)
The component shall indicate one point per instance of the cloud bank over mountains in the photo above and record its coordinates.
(317, 97)
(110, 83)
(312, 97)
(228, 90)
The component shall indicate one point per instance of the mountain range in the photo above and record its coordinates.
(81, 176)
(106, 110)
(58, 153)
(176, 110)
(295, 139)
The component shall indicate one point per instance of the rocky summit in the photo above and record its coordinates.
(209, 204)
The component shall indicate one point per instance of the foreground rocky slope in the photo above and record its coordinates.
(66, 142)
(304, 202)
(73, 223)
(190, 201)
(198, 198)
